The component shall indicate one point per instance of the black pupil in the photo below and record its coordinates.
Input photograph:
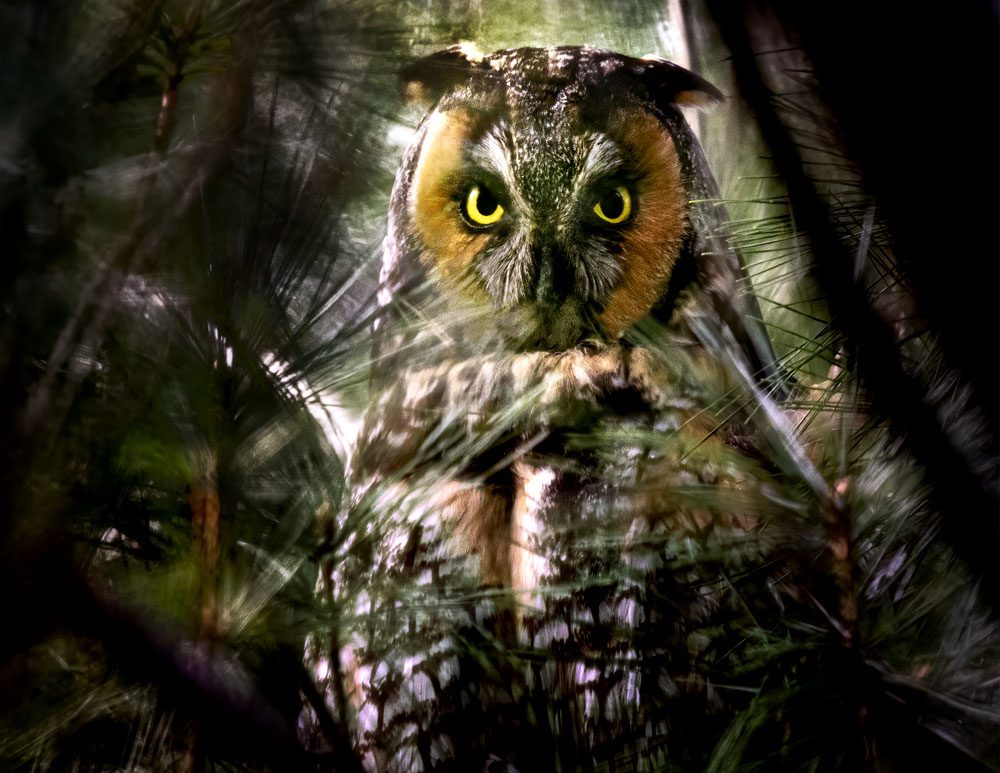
(613, 204)
(486, 203)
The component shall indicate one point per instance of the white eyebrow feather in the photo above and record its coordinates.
(604, 158)
(494, 153)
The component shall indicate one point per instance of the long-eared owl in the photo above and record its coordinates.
(506, 573)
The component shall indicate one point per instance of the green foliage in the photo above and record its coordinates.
(193, 197)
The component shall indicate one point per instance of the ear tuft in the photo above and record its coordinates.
(671, 84)
(427, 79)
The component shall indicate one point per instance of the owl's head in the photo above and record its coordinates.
(552, 184)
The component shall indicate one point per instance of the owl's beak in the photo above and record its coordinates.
(555, 279)
(560, 313)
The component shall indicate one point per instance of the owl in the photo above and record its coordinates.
(550, 287)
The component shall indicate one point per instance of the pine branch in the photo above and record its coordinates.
(966, 499)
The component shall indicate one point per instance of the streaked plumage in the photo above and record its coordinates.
(551, 205)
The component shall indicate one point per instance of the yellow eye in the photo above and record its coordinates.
(614, 206)
(481, 206)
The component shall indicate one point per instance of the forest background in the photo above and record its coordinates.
(193, 196)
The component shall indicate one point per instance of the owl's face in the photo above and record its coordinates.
(546, 183)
